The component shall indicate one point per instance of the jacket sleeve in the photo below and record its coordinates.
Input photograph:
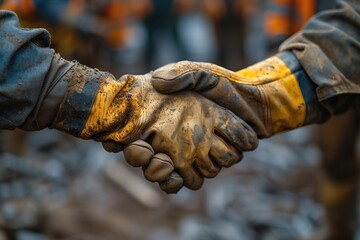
(25, 59)
(328, 48)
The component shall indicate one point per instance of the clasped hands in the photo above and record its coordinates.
(181, 136)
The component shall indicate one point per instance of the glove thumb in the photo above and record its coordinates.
(184, 75)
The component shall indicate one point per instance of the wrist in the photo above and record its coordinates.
(82, 85)
(288, 96)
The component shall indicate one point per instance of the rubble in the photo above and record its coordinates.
(71, 189)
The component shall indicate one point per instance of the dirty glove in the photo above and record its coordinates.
(156, 167)
(198, 135)
(273, 96)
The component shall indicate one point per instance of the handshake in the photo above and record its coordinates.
(185, 121)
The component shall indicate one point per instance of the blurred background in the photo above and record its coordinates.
(299, 185)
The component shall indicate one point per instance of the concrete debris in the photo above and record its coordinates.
(71, 189)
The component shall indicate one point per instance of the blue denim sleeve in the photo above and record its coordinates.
(25, 58)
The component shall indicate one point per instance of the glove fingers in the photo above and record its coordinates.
(138, 153)
(111, 146)
(184, 165)
(182, 157)
(192, 179)
(159, 168)
(184, 75)
(173, 184)
(235, 131)
(223, 154)
(205, 165)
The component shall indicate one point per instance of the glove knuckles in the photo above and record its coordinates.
(173, 184)
(138, 153)
(159, 168)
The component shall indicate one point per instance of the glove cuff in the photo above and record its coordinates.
(98, 106)
(82, 84)
(285, 95)
(314, 111)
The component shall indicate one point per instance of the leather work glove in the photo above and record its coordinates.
(272, 96)
(199, 136)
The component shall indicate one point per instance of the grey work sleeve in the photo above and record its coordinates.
(328, 48)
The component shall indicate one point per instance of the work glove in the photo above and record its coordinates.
(272, 96)
(199, 136)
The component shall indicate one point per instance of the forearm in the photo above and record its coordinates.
(328, 48)
(25, 61)
(38, 88)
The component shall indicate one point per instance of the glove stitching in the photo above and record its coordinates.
(267, 115)
(138, 129)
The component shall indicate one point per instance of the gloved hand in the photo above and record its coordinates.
(156, 167)
(272, 96)
(199, 136)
